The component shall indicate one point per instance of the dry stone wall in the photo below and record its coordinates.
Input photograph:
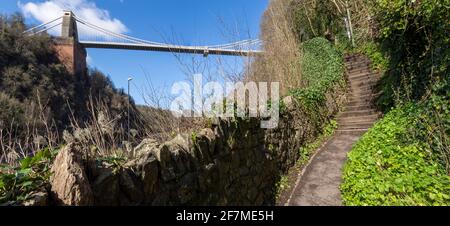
(234, 162)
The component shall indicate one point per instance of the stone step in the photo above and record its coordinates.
(354, 58)
(367, 123)
(360, 92)
(357, 126)
(358, 64)
(357, 113)
(357, 97)
(353, 70)
(359, 103)
(351, 132)
(359, 107)
(361, 66)
(362, 83)
(359, 71)
(357, 60)
(361, 89)
(360, 113)
(359, 119)
(365, 98)
(364, 77)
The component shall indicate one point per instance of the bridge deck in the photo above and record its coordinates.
(174, 49)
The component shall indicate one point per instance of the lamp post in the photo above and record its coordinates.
(129, 104)
(349, 18)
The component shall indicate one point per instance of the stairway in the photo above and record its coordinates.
(360, 113)
(319, 183)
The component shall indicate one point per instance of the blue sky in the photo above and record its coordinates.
(196, 22)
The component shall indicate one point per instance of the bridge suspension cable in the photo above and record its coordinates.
(141, 41)
(43, 27)
(111, 40)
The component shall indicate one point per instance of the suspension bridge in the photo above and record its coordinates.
(94, 36)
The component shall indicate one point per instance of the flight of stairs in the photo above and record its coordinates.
(360, 114)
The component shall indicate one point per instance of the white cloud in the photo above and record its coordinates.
(84, 9)
(89, 59)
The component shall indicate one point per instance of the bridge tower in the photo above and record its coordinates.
(71, 53)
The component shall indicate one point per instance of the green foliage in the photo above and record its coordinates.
(376, 56)
(389, 167)
(414, 35)
(433, 126)
(282, 185)
(36, 88)
(31, 72)
(116, 161)
(194, 137)
(271, 147)
(323, 70)
(12, 112)
(17, 183)
(379, 62)
(330, 128)
(313, 19)
(405, 158)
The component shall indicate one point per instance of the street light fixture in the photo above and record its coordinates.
(129, 104)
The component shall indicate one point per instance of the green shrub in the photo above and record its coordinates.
(414, 35)
(405, 158)
(37, 91)
(11, 113)
(373, 50)
(433, 125)
(389, 167)
(313, 19)
(322, 71)
(33, 174)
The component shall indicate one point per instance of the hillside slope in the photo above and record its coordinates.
(39, 96)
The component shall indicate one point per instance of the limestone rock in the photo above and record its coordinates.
(69, 183)
(289, 102)
(207, 142)
(39, 198)
(145, 147)
(143, 172)
(106, 188)
(131, 189)
(147, 170)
